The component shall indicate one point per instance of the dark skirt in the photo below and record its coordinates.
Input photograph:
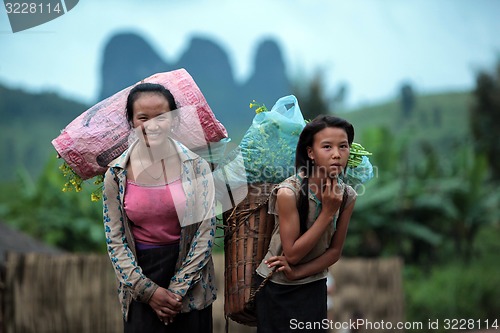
(292, 308)
(158, 264)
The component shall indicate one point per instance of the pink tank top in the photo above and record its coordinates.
(154, 212)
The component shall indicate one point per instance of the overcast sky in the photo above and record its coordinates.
(372, 45)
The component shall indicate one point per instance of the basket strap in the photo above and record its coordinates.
(344, 202)
(241, 217)
(251, 299)
(228, 188)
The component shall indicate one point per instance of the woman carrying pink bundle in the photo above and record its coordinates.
(159, 219)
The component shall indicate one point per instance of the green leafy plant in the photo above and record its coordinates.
(36, 206)
(356, 155)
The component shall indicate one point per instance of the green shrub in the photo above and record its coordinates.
(454, 291)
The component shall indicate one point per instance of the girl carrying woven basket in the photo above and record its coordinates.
(309, 233)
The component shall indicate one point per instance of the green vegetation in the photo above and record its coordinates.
(457, 289)
(29, 123)
(70, 221)
(437, 117)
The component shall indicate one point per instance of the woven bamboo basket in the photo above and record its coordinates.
(248, 230)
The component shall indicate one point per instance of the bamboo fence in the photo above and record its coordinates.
(60, 293)
(368, 289)
(77, 293)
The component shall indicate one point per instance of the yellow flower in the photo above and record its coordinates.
(75, 182)
(260, 108)
(94, 197)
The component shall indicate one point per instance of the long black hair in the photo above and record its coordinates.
(304, 165)
(147, 87)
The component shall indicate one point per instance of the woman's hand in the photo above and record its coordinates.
(165, 304)
(281, 265)
(331, 196)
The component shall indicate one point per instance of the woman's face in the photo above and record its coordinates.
(151, 115)
(330, 151)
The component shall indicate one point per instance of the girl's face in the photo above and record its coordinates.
(151, 115)
(330, 152)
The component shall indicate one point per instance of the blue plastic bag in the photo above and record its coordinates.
(360, 174)
(268, 147)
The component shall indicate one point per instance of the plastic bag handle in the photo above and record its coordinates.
(293, 113)
(284, 101)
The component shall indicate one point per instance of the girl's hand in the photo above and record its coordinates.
(281, 265)
(165, 304)
(331, 196)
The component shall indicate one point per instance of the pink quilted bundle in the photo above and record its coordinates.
(100, 134)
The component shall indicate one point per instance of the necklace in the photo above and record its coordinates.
(146, 170)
